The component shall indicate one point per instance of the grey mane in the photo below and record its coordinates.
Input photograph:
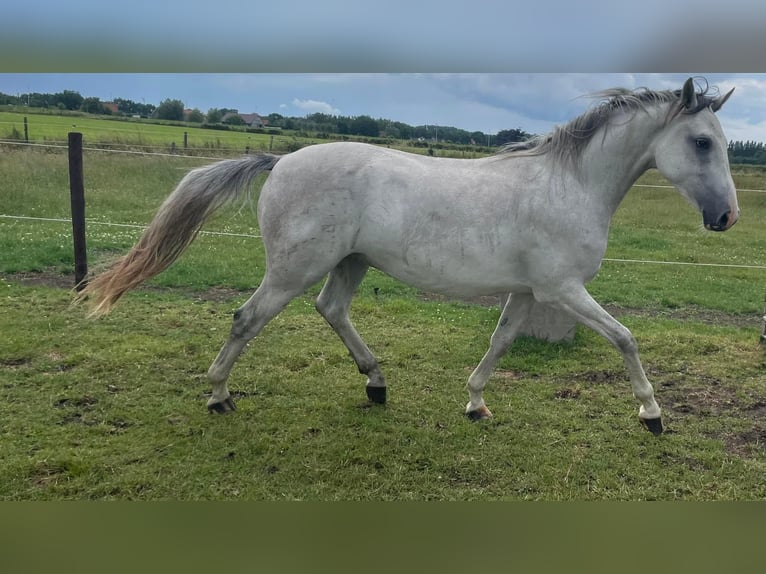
(567, 142)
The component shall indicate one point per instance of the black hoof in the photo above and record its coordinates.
(479, 414)
(223, 407)
(474, 416)
(654, 426)
(376, 395)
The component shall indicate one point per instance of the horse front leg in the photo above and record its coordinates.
(512, 318)
(576, 301)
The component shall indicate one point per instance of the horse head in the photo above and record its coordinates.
(691, 152)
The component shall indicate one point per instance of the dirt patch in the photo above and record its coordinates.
(42, 279)
(747, 443)
(568, 393)
(79, 402)
(14, 362)
(709, 397)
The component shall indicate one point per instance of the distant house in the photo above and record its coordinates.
(111, 106)
(251, 120)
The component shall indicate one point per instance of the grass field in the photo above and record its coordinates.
(153, 136)
(114, 409)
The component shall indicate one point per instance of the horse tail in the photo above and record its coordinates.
(175, 225)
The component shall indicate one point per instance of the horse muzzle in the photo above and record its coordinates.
(721, 223)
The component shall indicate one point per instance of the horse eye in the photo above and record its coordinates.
(702, 143)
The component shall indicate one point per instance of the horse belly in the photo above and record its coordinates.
(448, 266)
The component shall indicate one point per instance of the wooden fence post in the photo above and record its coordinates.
(77, 196)
(26, 130)
(186, 140)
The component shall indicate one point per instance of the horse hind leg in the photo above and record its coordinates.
(333, 304)
(265, 304)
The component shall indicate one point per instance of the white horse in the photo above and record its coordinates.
(531, 221)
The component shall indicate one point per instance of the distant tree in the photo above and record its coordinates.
(70, 99)
(8, 99)
(92, 106)
(509, 136)
(405, 131)
(131, 108)
(234, 120)
(749, 152)
(478, 138)
(214, 116)
(37, 100)
(364, 126)
(171, 110)
(195, 116)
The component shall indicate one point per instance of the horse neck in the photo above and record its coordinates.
(619, 154)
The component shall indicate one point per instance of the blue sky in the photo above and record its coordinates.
(486, 102)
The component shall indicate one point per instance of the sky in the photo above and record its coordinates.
(486, 102)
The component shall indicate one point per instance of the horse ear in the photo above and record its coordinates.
(720, 100)
(689, 95)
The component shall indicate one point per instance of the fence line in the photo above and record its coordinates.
(112, 145)
(251, 236)
(129, 152)
(671, 187)
(128, 225)
(688, 263)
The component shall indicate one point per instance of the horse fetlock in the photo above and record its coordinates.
(653, 411)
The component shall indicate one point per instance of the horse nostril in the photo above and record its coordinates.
(721, 223)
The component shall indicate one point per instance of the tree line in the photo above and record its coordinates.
(317, 123)
(749, 152)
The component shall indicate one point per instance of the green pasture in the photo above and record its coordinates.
(152, 136)
(158, 137)
(115, 408)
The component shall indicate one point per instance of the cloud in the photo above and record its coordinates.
(315, 106)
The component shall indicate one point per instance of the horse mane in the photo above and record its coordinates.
(567, 142)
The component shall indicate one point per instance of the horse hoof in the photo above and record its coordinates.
(222, 407)
(376, 395)
(479, 414)
(654, 426)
